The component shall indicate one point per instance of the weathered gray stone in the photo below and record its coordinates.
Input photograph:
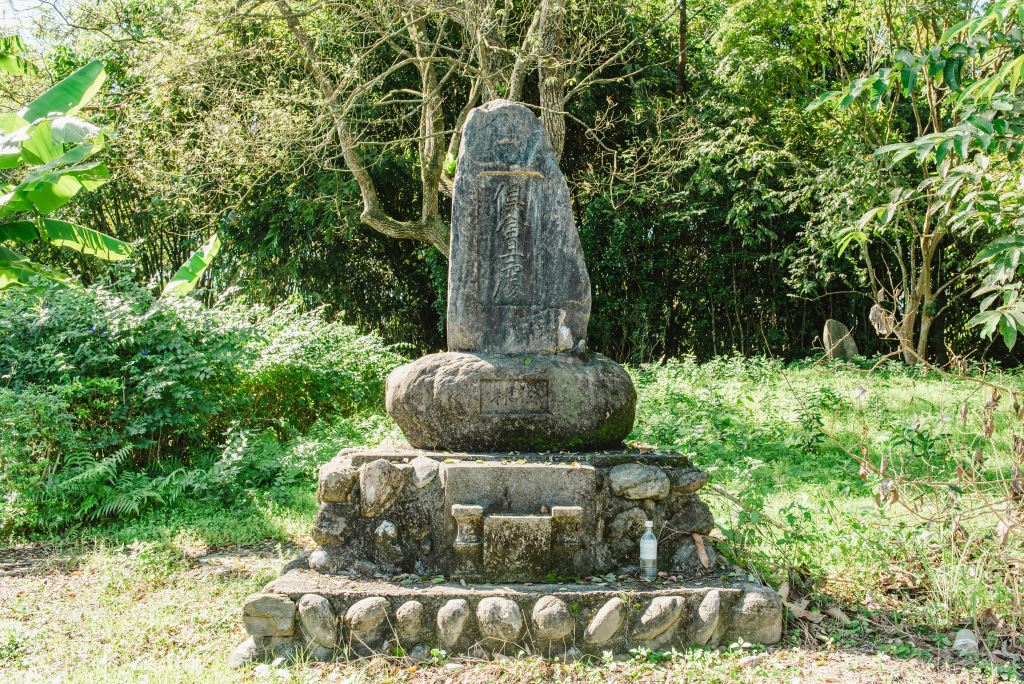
(606, 623)
(245, 653)
(758, 615)
(368, 615)
(688, 480)
(419, 654)
(687, 562)
(838, 342)
(692, 515)
(332, 523)
(319, 653)
(478, 402)
(704, 624)
(552, 619)
(662, 613)
(499, 619)
(318, 619)
(409, 620)
(386, 539)
(571, 655)
(517, 282)
(275, 646)
(323, 560)
(424, 470)
(337, 480)
(638, 481)
(271, 615)
(627, 526)
(451, 620)
(380, 483)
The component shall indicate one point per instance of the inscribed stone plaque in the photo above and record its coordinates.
(513, 397)
(517, 282)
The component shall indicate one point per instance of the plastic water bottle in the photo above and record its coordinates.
(649, 552)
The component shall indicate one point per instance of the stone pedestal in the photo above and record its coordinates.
(519, 517)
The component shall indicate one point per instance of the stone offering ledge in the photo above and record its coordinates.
(334, 617)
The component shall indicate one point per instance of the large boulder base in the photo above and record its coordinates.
(478, 402)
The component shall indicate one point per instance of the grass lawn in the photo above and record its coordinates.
(158, 598)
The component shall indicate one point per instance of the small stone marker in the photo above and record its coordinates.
(517, 281)
(838, 341)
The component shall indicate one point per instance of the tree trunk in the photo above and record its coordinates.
(681, 84)
(551, 72)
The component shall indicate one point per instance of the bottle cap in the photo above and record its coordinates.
(648, 523)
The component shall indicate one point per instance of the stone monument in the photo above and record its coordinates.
(512, 520)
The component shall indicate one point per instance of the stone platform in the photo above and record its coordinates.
(508, 517)
(338, 617)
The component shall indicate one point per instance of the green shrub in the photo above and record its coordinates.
(112, 401)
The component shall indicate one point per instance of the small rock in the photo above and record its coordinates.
(331, 524)
(689, 480)
(262, 671)
(499, 619)
(318, 619)
(364, 567)
(409, 619)
(386, 533)
(638, 481)
(451, 619)
(424, 470)
(320, 561)
(662, 614)
(706, 621)
(572, 654)
(337, 480)
(552, 618)
(692, 515)
(758, 616)
(606, 623)
(368, 615)
(321, 654)
(278, 663)
(686, 560)
(965, 643)
(419, 654)
(380, 484)
(269, 615)
(245, 653)
(628, 526)
(749, 661)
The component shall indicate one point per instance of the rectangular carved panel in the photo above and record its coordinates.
(508, 397)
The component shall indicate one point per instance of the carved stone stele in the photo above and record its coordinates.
(517, 282)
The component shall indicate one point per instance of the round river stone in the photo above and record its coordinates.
(478, 402)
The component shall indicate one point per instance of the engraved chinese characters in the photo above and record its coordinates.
(502, 396)
(517, 282)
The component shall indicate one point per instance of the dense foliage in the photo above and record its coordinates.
(714, 210)
(112, 400)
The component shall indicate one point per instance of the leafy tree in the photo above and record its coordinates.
(52, 149)
(959, 89)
